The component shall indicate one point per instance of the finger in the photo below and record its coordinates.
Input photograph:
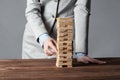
(55, 43)
(52, 50)
(53, 47)
(97, 61)
(90, 59)
(49, 53)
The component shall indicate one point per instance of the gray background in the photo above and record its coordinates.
(103, 32)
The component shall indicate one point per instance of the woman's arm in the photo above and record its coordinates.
(81, 16)
(33, 15)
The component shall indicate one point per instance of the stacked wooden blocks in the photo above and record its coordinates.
(64, 42)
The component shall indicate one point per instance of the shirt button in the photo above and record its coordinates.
(53, 16)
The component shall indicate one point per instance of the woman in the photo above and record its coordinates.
(40, 32)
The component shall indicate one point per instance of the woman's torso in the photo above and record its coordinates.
(49, 7)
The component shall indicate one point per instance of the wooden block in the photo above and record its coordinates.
(61, 66)
(62, 54)
(62, 43)
(62, 51)
(64, 39)
(65, 34)
(64, 58)
(64, 64)
(60, 59)
(65, 47)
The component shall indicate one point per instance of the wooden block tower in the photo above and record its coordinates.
(64, 42)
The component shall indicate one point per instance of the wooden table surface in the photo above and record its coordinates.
(46, 70)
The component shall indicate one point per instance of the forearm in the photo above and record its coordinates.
(81, 25)
(33, 16)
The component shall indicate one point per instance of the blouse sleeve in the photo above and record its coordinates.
(81, 13)
(33, 16)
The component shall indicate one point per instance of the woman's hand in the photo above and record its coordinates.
(50, 47)
(87, 59)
